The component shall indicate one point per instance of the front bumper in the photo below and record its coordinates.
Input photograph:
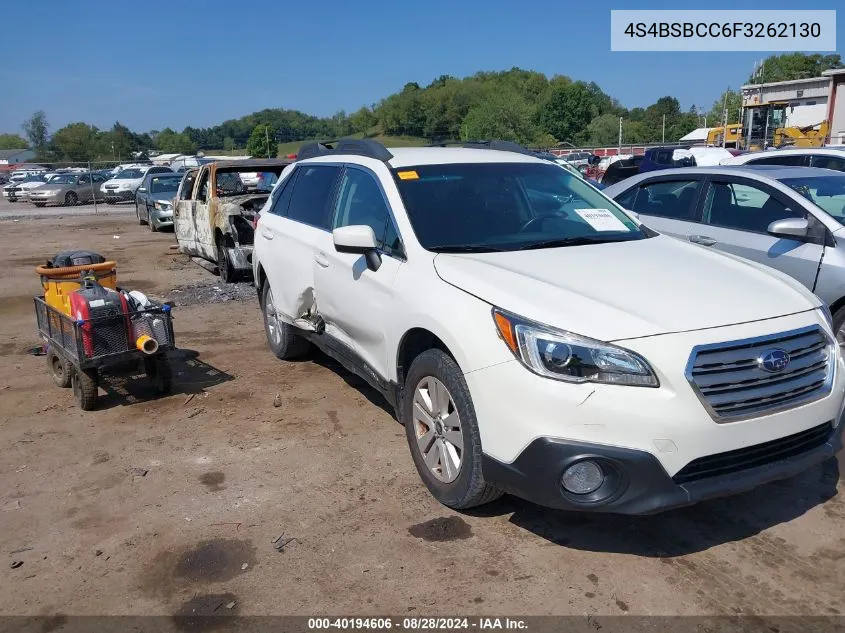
(638, 484)
(161, 218)
(53, 198)
(532, 426)
(115, 194)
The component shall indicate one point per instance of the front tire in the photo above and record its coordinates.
(442, 432)
(282, 338)
(151, 223)
(138, 215)
(227, 272)
(84, 385)
(71, 199)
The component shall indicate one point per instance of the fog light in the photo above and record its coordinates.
(582, 478)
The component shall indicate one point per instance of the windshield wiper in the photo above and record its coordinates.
(568, 241)
(465, 248)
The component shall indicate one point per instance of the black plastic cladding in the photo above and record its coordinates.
(358, 147)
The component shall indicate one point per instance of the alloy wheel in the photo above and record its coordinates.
(437, 428)
(272, 319)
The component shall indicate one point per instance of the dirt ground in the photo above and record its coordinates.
(228, 472)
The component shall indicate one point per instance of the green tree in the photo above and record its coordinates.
(76, 142)
(228, 144)
(170, 142)
(261, 142)
(12, 141)
(362, 120)
(567, 110)
(505, 116)
(37, 131)
(603, 130)
(789, 66)
(730, 99)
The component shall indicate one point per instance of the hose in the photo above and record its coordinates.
(73, 271)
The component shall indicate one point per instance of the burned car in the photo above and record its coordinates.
(216, 208)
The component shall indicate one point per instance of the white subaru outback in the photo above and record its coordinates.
(534, 338)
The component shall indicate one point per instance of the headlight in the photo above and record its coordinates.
(47, 192)
(569, 357)
(826, 314)
(163, 205)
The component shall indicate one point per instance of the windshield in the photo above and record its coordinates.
(826, 192)
(34, 179)
(129, 173)
(233, 183)
(164, 184)
(507, 206)
(63, 179)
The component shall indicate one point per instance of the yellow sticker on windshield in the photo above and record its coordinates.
(408, 175)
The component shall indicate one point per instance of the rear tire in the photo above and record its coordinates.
(84, 385)
(60, 371)
(442, 429)
(282, 338)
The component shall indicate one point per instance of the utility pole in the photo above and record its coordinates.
(267, 137)
(620, 135)
(664, 129)
(724, 125)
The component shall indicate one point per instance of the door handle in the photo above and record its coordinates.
(267, 234)
(702, 239)
(321, 260)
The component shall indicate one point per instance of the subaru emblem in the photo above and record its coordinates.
(773, 360)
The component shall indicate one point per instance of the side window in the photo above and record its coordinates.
(361, 202)
(84, 180)
(674, 199)
(314, 187)
(202, 194)
(99, 178)
(187, 186)
(792, 161)
(744, 207)
(282, 197)
(626, 200)
(828, 162)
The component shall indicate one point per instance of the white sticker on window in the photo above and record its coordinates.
(602, 220)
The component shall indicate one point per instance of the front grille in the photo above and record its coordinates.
(732, 385)
(753, 456)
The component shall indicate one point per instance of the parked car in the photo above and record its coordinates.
(536, 339)
(789, 218)
(824, 157)
(19, 191)
(215, 211)
(68, 189)
(577, 159)
(154, 200)
(122, 187)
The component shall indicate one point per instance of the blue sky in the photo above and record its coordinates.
(154, 64)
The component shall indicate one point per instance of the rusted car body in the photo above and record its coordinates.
(215, 209)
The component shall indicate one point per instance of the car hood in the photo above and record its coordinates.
(622, 290)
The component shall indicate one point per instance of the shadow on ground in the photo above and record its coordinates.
(677, 532)
(190, 376)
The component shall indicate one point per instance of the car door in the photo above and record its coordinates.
(83, 188)
(354, 301)
(667, 204)
(203, 234)
(183, 214)
(736, 214)
(297, 220)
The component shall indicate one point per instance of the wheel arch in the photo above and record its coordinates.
(414, 342)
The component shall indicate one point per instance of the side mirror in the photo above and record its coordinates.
(358, 239)
(789, 228)
(141, 190)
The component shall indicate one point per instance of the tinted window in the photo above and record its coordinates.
(626, 200)
(361, 202)
(744, 207)
(828, 162)
(673, 199)
(793, 161)
(282, 198)
(311, 193)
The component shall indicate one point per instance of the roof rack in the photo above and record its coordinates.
(359, 147)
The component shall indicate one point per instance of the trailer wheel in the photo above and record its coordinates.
(59, 370)
(84, 385)
(159, 372)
